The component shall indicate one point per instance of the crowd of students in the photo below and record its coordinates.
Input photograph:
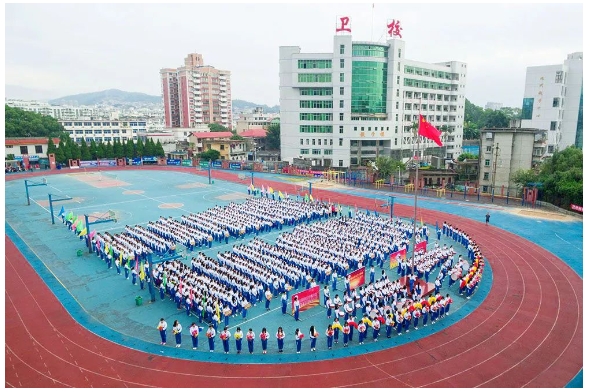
(316, 253)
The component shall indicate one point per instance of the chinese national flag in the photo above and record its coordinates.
(429, 131)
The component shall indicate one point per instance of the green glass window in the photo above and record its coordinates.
(327, 152)
(316, 91)
(314, 78)
(426, 84)
(315, 116)
(527, 108)
(369, 51)
(311, 64)
(369, 87)
(315, 128)
(316, 104)
(304, 151)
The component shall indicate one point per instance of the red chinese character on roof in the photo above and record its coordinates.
(343, 23)
(394, 29)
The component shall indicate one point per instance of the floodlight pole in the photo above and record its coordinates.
(209, 171)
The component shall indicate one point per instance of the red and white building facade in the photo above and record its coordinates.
(196, 94)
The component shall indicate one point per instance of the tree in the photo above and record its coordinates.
(51, 149)
(10, 157)
(466, 155)
(100, 151)
(159, 150)
(93, 149)
(129, 149)
(212, 155)
(470, 131)
(85, 151)
(214, 127)
(75, 150)
(59, 155)
(148, 149)
(108, 151)
(387, 166)
(523, 177)
(139, 148)
(494, 119)
(273, 137)
(473, 113)
(20, 123)
(118, 149)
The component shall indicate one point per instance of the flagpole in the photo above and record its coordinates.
(417, 163)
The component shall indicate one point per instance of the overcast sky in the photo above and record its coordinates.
(76, 48)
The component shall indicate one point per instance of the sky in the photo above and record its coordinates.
(67, 49)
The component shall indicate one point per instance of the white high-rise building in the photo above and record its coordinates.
(360, 101)
(494, 105)
(553, 101)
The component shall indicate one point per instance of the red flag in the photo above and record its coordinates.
(427, 130)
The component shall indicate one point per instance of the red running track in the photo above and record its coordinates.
(526, 333)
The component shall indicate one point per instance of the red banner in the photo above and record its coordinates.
(576, 208)
(421, 246)
(307, 299)
(393, 258)
(356, 278)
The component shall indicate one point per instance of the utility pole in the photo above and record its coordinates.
(494, 171)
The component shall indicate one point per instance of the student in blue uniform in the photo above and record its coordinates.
(162, 326)
(239, 335)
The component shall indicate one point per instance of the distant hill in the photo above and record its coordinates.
(108, 97)
(238, 105)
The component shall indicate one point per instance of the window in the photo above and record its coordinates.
(24, 149)
(340, 141)
(341, 77)
(486, 176)
(307, 142)
(398, 80)
(316, 151)
(319, 142)
(340, 163)
(315, 116)
(304, 151)
(325, 142)
(487, 162)
(488, 148)
(301, 141)
(355, 128)
(527, 108)
(555, 102)
(395, 129)
(397, 105)
(341, 63)
(313, 142)
(341, 104)
(485, 189)
(395, 141)
(553, 126)
(310, 64)
(559, 77)
(88, 132)
(39, 149)
(341, 90)
(341, 129)
(341, 116)
(315, 105)
(208, 146)
(341, 49)
(87, 124)
(327, 152)
(314, 78)
(399, 53)
(222, 147)
(331, 141)
(96, 124)
(316, 91)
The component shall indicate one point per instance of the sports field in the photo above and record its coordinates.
(104, 302)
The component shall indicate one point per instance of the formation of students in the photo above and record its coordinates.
(316, 253)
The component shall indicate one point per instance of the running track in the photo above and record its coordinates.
(526, 333)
